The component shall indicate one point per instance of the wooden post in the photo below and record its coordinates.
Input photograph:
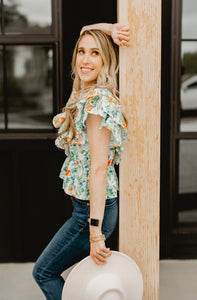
(140, 68)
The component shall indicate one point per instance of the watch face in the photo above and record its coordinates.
(94, 222)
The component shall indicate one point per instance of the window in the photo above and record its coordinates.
(184, 123)
(188, 93)
(27, 17)
(187, 189)
(30, 49)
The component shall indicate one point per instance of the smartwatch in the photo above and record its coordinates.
(94, 222)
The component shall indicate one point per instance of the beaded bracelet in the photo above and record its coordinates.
(97, 238)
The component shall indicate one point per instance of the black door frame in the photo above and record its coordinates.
(176, 241)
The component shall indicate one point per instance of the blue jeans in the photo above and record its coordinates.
(69, 245)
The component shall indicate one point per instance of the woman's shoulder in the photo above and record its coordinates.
(102, 96)
(100, 91)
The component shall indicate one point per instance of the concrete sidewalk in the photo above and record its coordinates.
(177, 281)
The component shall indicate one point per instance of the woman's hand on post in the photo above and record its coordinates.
(120, 34)
(99, 252)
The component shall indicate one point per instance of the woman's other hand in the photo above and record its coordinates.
(99, 252)
(120, 34)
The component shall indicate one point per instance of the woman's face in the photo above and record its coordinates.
(89, 61)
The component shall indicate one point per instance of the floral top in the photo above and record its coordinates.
(75, 169)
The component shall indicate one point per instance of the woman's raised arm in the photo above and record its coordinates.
(120, 33)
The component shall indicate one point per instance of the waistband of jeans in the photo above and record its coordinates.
(87, 202)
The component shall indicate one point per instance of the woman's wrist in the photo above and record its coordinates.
(95, 230)
(97, 238)
(94, 222)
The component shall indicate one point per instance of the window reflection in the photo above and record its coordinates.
(30, 93)
(188, 92)
(27, 16)
(1, 92)
(187, 181)
(189, 19)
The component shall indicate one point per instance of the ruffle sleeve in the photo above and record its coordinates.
(63, 136)
(58, 122)
(58, 119)
(102, 102)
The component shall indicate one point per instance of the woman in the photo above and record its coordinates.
(92, 130)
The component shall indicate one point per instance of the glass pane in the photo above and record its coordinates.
(1, 92)
(187, 200)
(30, 92)
(188, 93)
(27, 16)
(189, 19)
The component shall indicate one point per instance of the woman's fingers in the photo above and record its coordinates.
(117, 41)
(98, 262)
(125, 32)
(123, 37)
(106, 254)
(103, 254)
(99, 252)
(121, 34)
(124, 43)
(125, 28)
(101, 258)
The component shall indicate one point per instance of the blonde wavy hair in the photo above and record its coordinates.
(106, 79)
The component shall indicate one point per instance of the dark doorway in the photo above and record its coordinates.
(33, 204)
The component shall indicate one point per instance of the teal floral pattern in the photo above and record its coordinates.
(75, 169)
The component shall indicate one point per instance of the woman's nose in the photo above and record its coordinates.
(86, 58)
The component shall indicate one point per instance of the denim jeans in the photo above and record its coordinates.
(69, 245)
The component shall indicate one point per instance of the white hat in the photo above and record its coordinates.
(119, 279)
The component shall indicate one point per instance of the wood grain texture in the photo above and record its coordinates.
(140, 67)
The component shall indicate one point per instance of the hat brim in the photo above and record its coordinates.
(118, 264)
